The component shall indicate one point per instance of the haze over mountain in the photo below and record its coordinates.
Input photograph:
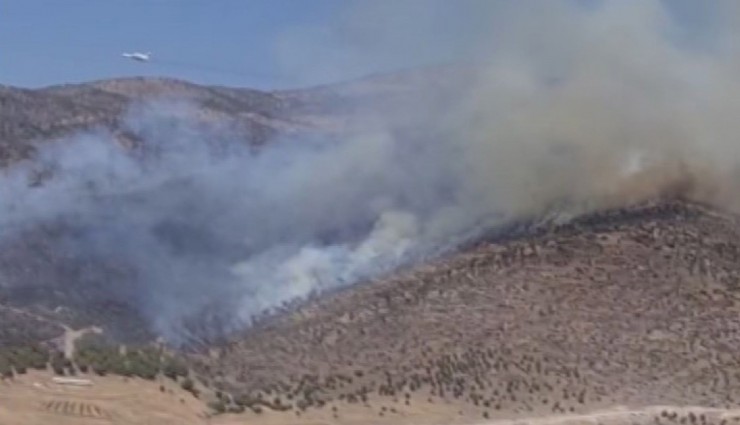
(262, 197)
(550, 232)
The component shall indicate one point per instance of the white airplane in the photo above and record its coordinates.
(141, 57)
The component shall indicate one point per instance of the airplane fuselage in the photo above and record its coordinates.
(140, 57)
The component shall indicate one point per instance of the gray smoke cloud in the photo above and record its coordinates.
(578, 106)
(202, 219)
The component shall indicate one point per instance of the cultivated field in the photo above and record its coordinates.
(34, 399)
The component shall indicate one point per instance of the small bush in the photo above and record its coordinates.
(57, 362)
(6, 371)
(138, 363)
(174, 368)
(187, 384)
(217, 406)
(236, 409)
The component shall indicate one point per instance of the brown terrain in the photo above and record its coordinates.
(623, 316)
(30, 116)
(634, 307)
(35, 399)
(62, 289)
(626, 316)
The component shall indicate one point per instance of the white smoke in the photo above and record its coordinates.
(577, 106)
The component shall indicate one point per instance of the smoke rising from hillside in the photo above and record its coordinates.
(576, 107)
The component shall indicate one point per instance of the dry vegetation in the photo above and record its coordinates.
(34, 399)
(631, 307)
(20, 328)
(48, 286)
(43, 286)
(31, 116)
(28, 117)
(54, 285)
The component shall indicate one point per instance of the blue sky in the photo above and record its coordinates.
(218, 41)
(257, 43)
(251, 43)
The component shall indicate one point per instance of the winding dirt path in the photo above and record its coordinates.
(70, 335)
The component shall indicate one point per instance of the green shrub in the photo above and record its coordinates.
(34, 357)
(174, 368)
(6, 371)
(217, 406)
(187, 384)
(236, 409)
(57, 362)
(141, 364)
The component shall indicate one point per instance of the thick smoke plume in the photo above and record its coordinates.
(579, 105)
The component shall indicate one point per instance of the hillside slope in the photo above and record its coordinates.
(31, 116)
(633, 307)
(40, 275)
(636, 306)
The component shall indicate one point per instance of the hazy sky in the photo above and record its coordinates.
(257, 43)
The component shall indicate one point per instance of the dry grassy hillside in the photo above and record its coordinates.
(625, 316)
(46, 285)
(631, 307)
(30, 116)
(39, 277)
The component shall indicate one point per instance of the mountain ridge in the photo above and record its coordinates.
(633, 304)
(474, 326)
(32, 116)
